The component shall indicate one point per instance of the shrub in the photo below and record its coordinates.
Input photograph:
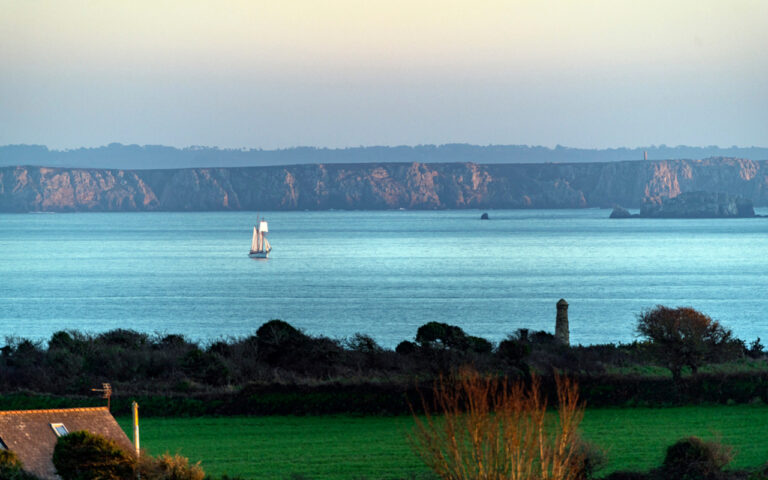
(9, 460)
(26, 353)
(11, 467)
(276, 340)
(13, 474)
(277, 332)
(221, 348)
(205, 366)
(683, 337)
(173, 341)
(362, 343)
(406, 348)
(492, 430)
(441, 335)
(756, 349)
(694, 459)
(169, 467)
(84, 456)
(479, 344)
(124, 338)
(513, 350)
(542, 338)
(61, 339)
(588, 460)
(761, 473)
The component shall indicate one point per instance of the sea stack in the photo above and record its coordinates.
(698, 205)
(561, 323)
(620, 212)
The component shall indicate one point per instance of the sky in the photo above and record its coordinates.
(338, 73)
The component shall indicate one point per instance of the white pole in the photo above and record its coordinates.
(135, 407)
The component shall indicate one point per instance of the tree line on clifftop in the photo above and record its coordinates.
(116, 155)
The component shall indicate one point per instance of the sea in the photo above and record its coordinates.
(381, 273)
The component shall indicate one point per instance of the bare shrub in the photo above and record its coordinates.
(489, 429)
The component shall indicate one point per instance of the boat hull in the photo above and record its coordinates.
(259, 254)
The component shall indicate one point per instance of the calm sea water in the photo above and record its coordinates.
(382, 273)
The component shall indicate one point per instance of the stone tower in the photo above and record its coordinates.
(561, 323)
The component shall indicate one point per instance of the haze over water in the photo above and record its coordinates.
(380, 273)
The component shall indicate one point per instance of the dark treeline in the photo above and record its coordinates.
(134, 157)
(280, 369)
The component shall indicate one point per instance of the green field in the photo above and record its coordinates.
(342, 447)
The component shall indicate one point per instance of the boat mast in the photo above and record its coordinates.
(260, 241)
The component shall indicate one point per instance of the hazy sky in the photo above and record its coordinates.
(340, 73)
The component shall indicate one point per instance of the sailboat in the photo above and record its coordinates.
(260, 246)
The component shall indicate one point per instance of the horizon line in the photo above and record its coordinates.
(373, 146)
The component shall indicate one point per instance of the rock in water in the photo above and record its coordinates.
(698, 205)
(484, 217)
(620, 212)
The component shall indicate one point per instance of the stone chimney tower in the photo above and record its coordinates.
(561, 323)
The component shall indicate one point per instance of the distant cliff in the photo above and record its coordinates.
(376, 186)
(698, 205)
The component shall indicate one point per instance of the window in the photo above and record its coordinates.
(59, 429)
(2, 445)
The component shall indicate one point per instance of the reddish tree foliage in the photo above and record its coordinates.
(683, 337)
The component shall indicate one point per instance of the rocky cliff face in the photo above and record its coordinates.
(697, 205)
(376, 186)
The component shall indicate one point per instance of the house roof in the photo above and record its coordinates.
(28, 433)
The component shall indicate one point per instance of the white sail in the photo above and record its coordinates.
(254, 240)
(267, 246)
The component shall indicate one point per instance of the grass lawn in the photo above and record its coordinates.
(342, 447)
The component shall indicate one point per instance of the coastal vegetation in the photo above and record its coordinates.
(683, 337)
(681, 357)
(282, 370)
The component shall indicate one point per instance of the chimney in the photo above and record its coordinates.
(562, 334)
